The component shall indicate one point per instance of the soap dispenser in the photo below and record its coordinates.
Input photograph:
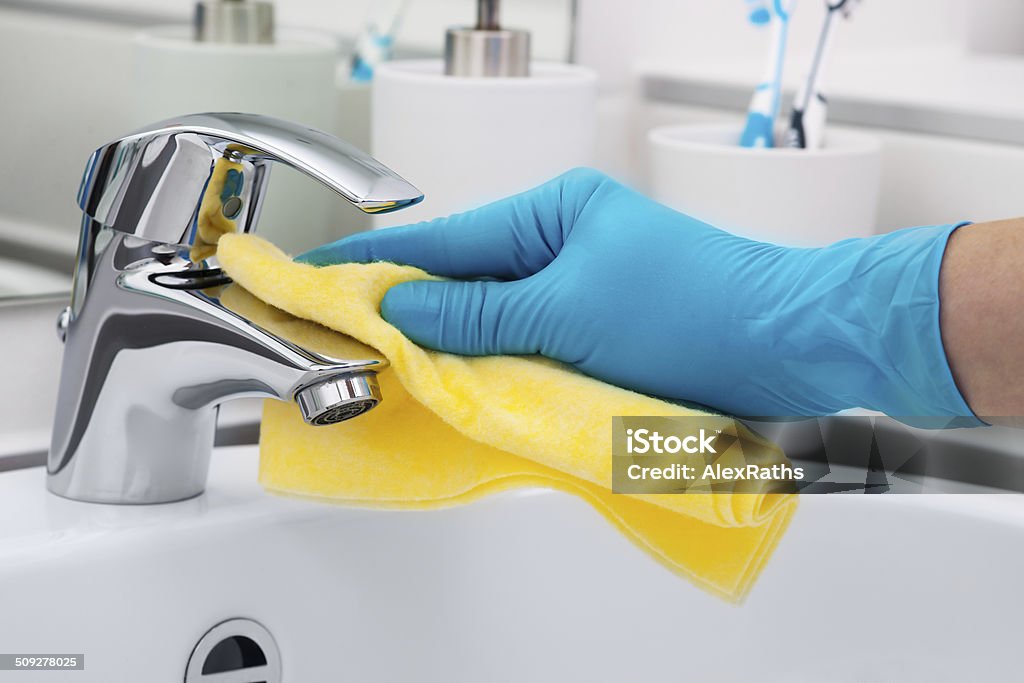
(487, 49)
(242, 22)
(233, 58)
(484, 122)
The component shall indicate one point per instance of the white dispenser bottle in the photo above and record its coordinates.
(483, 123)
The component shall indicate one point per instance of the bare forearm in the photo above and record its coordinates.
(981, 288)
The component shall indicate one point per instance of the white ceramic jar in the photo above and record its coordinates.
(787, 196)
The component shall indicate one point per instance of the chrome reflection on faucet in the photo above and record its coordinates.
(150, 349)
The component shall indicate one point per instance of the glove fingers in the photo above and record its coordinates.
(467, 318)
(510, 239)
(499, 240)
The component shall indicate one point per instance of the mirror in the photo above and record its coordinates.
(82, 72)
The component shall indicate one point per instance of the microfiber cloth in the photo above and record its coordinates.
(225, 182)
(452, 429)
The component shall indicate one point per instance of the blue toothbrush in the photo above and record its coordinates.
(764, 106)
(374, 45)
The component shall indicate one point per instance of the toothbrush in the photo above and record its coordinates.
(374, 46)
(807, 121)
(764, 106)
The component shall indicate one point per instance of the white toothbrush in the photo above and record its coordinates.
(764, 106)
(807, 122)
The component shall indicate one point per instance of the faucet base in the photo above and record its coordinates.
(162, 457)
(115, 499)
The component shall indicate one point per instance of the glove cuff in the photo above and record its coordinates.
(898, 276)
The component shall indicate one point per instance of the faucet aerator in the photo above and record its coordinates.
(339, 398)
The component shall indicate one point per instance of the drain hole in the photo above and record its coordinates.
(235, 651)
(231, 654)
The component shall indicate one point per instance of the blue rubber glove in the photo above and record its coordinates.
(591, 273)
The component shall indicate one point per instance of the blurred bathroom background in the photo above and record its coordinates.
(937, 81)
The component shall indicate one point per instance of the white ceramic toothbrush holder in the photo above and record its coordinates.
(787, 196)
(465, 141)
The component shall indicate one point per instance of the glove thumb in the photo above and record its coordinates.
(467, 318)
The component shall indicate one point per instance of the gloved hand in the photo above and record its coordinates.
(629, 291)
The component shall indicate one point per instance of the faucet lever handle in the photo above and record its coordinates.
(152, 183)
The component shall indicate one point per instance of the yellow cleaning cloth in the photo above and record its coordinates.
(211, 221)
(452, 429)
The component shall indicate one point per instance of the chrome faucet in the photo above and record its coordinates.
(150, 349)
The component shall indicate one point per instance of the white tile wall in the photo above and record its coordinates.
(64, 84)
(613, 34)
(422, 28)
(62, 80)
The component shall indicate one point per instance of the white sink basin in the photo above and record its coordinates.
(531, 586)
